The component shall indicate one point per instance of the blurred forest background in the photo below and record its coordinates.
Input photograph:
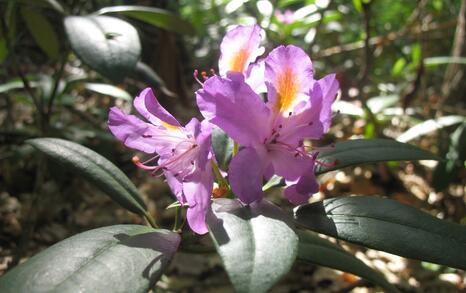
(401, 66)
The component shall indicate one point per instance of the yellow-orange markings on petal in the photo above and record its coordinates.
(169, 126)
(239, 60)
(287, 90)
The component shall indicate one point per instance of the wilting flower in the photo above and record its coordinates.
(182, 154)
(272, 133)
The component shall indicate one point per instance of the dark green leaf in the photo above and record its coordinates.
(94, 168)
(222, 145)
(54, 4)
(322, 252)
(387, 225)
(361, 151)
(154, 16)
(144, 73)
(107, 44)
(428, 126)
(256, 243)
(449, 170)
(122, 258)
(42, 31)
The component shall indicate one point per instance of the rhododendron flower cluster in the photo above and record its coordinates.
(270, 133)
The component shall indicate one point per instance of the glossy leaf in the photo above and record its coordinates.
(316, 250)
(362, 151)
(107, 44)
(387, 225)
(154, 16)
(108, 90)
(274, 181)
(449, 170)
(256, 243)
(222, 145)
(94, 168)
(122, 258)
(42, 31)
(53, 4)
(428, 126)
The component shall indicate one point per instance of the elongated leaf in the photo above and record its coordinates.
(347, 108)
(377, 104)
(94, 168)
(432, 61)
(108, 90)
(361, 151)
(319, 251)
(154, 16)
(222, 145)
(42, 31)
(429, 126)
(256, 243)
(107, 44)
(122, 258)
(274, 181)
(387, 225)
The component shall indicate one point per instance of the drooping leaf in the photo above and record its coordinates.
(449, 170)
(361, 151)
(107, 44)
(387, 225)
(154, 16)
(42, 31)
(256, 243)
(347, 108)
(94, 168)
(316, 250)
(429, 126)
(121, 258)
(108, 90)
(222, 145)
(146, 74)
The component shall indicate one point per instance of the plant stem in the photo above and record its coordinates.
(151, 220)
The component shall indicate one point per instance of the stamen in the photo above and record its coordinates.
(195, 74)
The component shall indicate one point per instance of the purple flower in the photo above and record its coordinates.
(286, 17)
(182, 153)
(271, 134)
(239, 49)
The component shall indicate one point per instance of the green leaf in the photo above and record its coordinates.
(387, 225)
(3, 50)
(222, 145)
(42, 31)
(362, 151)
(122, 258)
(377, 104)
(316, 250)
(153, 16)
(429, 126)
(108, 90)
(449, 170)
(53, 4)
(398, 66)
(274, 181)
(433, 61)
(94, 168)
(107, 44)
(256, 243)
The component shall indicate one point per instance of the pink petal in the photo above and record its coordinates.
(233, 106)
(198, 190)
(239, 48)
(245, 175)
(329, 86)
(148, 106)
(131, 131)
(288, 76)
